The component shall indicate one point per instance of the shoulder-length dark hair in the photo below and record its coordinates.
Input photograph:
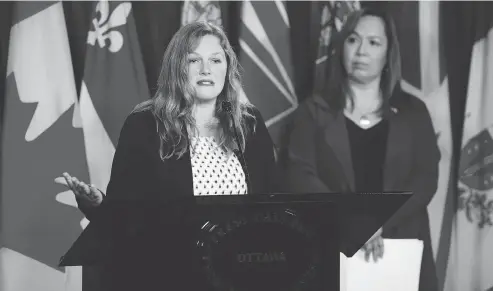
(337, 87)
(173, 101)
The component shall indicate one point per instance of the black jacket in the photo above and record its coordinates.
(319, 157)
(139, 173)
(319, 160)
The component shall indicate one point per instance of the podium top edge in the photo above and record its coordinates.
(260, 198)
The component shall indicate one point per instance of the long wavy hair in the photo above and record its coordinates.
(173, 102)
(337, 87)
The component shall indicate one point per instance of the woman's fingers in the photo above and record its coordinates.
(81, 190)
(73, 184)
(368, 251)
(84, 189)
(68, 180)
(62, 181)
(380, 247)
(375, 249)
(75, 180)
(78, 186)
(89, 192)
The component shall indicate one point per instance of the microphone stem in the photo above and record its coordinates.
(242, 157)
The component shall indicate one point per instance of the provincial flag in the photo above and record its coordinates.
(209, 11)
(424, 75)
(265, 55)
(114, 82)
(470, 259)
(41, 138)
(332, 15)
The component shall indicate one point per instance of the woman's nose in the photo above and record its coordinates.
(205, 68)
(362, 48)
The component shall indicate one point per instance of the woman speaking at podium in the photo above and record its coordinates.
(362, 133)
(195, 136)
(183, 141)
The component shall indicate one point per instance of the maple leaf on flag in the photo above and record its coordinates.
(41, 138)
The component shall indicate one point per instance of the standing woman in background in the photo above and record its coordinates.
(362, 133)
(182, 142)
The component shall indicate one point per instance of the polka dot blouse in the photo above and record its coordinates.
(214, 173)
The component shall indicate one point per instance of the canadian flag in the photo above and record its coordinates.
(41, 138)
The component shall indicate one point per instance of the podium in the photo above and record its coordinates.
(268, 242)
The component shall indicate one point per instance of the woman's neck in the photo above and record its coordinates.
(205, 117)
(366, 95)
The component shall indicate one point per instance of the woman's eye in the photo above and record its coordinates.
(376, 43)
(351, 39)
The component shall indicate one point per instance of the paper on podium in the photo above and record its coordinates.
(399, 268)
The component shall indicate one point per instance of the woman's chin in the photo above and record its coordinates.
(363, 78)
(206, 98)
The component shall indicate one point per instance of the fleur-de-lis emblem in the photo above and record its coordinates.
(103, 25)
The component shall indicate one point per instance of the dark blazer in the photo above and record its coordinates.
(319, 160)
(138, 172)
(319, 157)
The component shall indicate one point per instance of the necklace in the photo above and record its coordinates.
(364, 120)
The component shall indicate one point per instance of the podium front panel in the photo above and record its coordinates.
(268, 246)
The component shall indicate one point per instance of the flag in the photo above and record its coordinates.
(424, 75)
(114, 82)
(332, 15)
(209, 11)
(471, 254)
(41, 138)
(265, 55)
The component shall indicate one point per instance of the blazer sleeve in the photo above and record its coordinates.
(130, 171)
(264, 150)
(301, 170)
(423, 180)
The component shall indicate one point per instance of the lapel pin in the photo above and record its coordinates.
(395, 110)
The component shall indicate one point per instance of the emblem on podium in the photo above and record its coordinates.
(262, 250)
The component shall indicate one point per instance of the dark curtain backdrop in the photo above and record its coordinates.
(157, 21)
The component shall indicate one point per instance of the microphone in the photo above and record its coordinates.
(227, 107)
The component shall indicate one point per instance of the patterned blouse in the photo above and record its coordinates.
(214, 172)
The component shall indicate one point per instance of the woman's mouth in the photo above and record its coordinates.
(205, 83)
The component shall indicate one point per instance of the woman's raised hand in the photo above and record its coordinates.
(87, 194)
